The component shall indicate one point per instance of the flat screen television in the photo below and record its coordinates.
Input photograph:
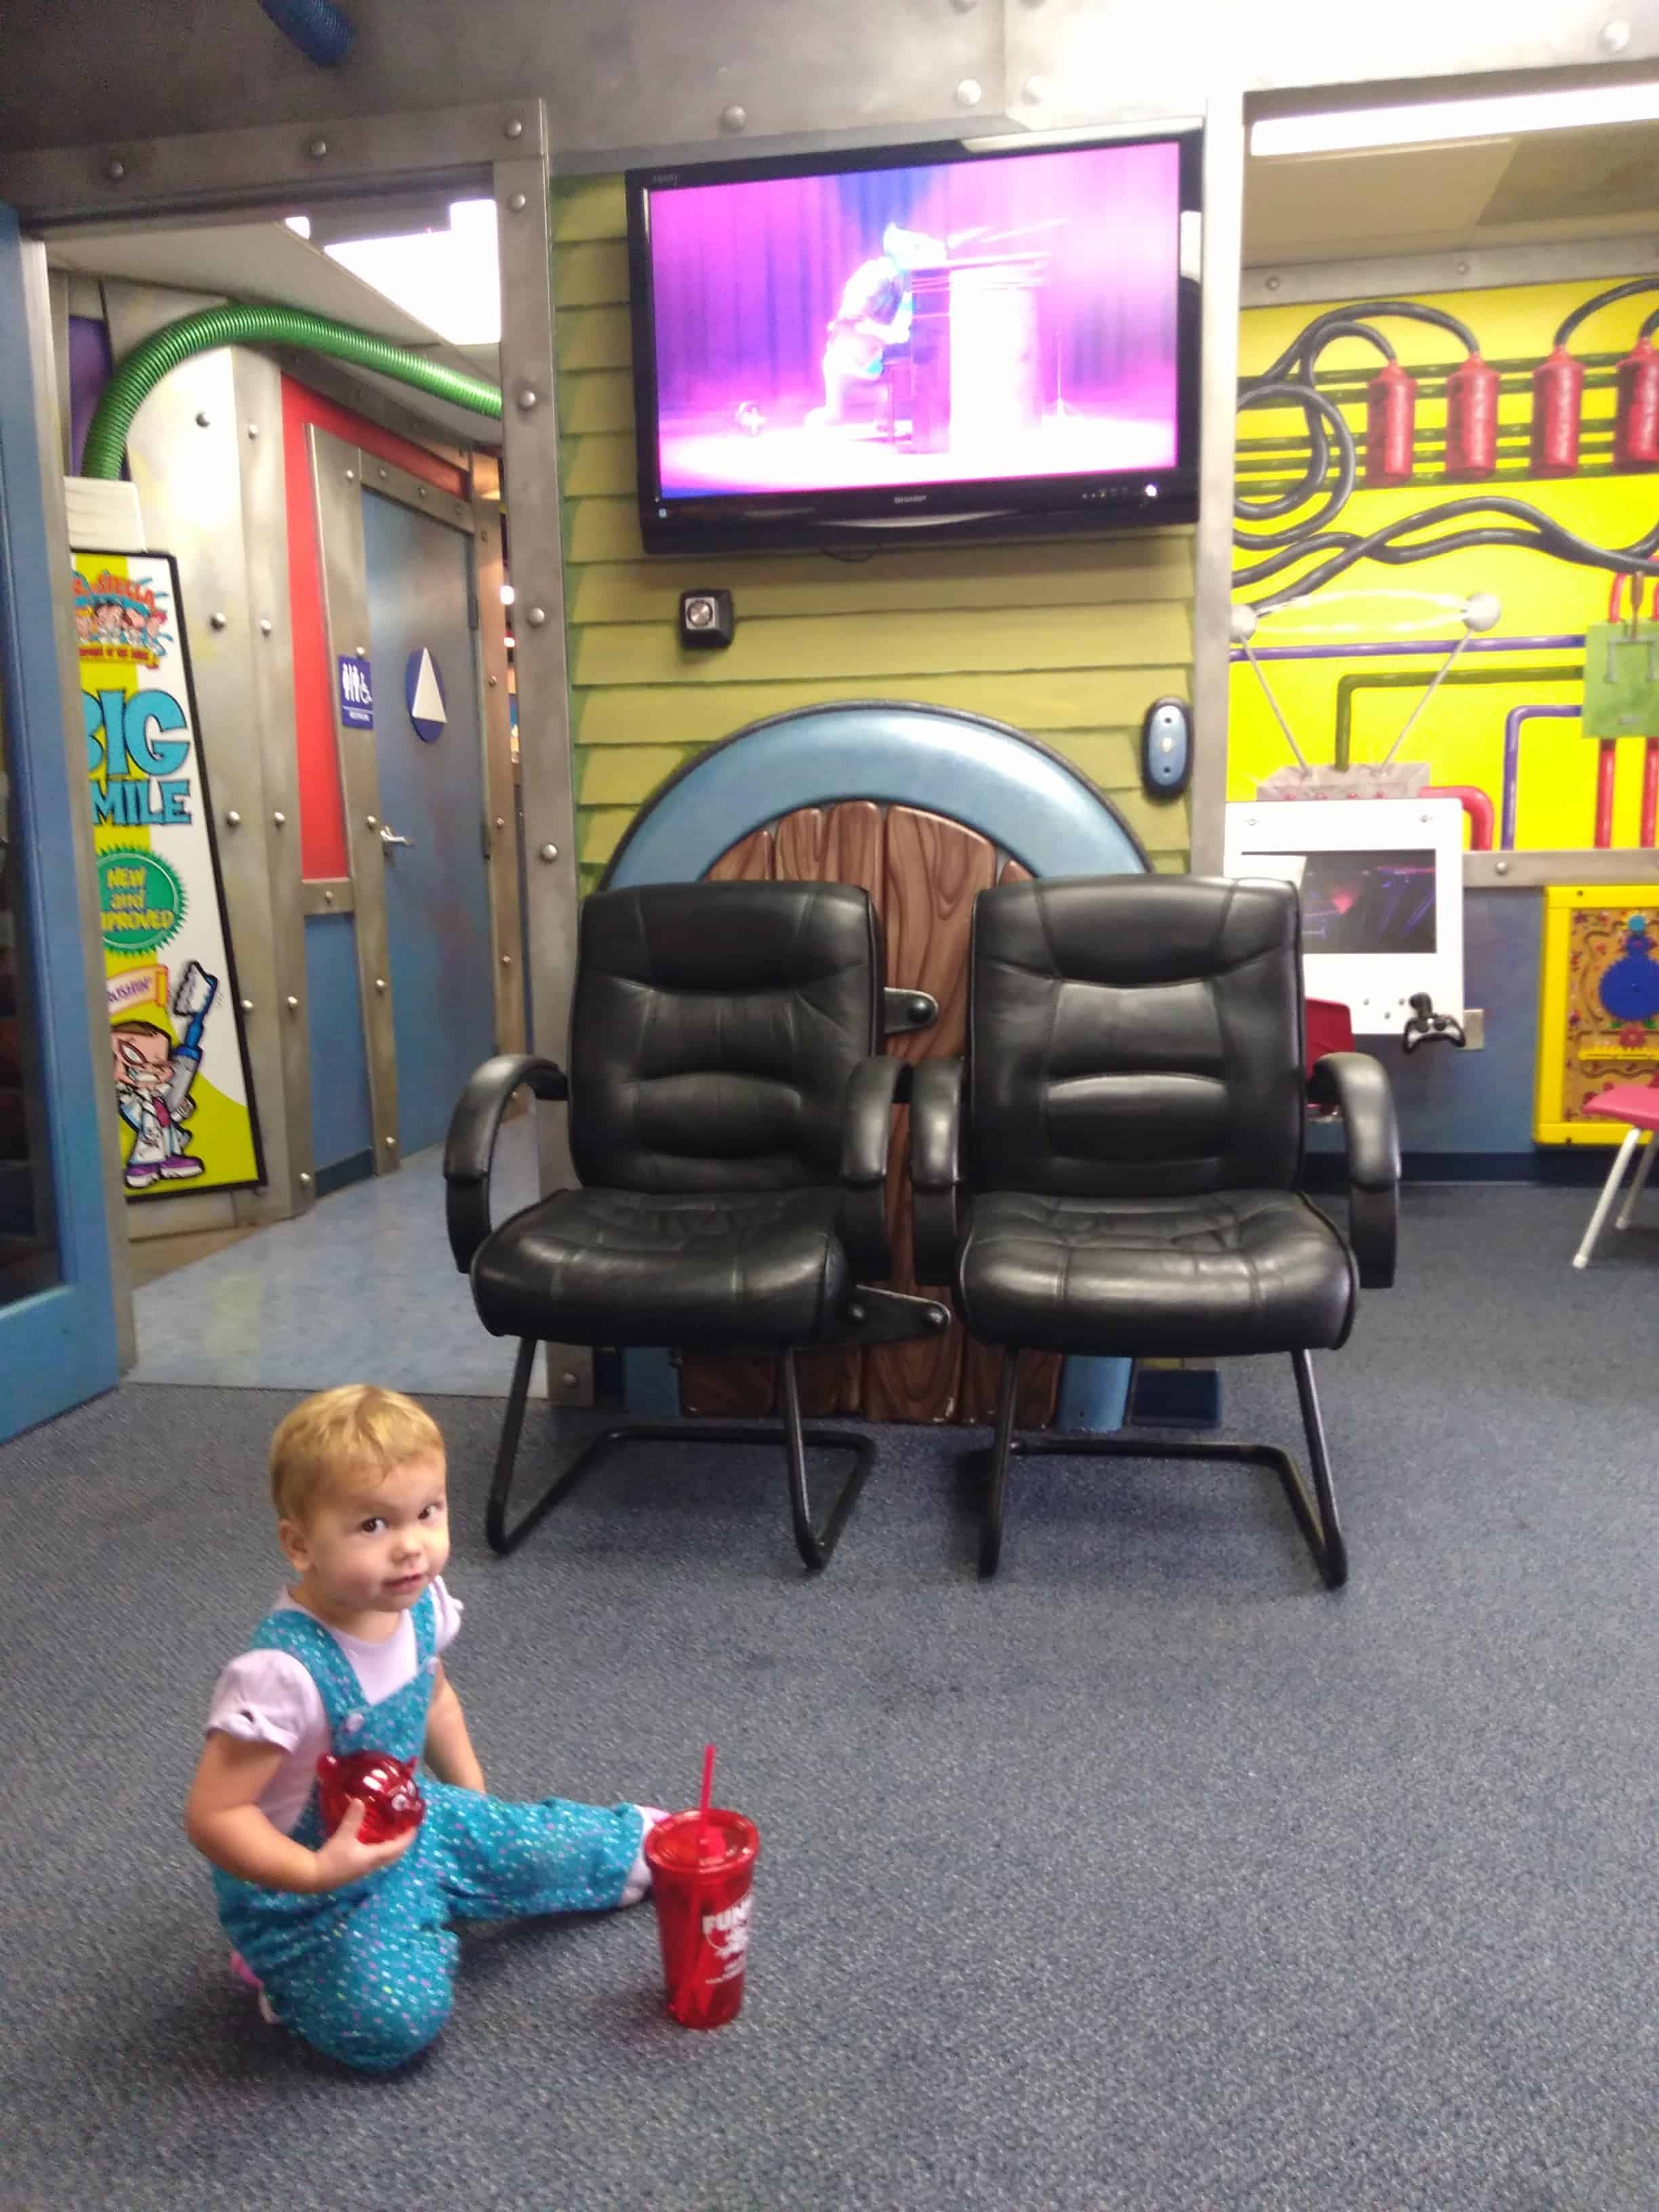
(955, 339)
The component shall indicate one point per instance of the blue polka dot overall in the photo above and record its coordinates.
(366, 1973)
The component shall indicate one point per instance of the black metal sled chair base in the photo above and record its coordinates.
(1315, 1515)
(815, 1541)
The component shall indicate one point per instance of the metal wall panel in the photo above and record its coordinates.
(648, 75)
(337, 472)
(545, 767)
(184, 453)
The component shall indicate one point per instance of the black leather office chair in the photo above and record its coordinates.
(1114, 1168)
(729, 1121)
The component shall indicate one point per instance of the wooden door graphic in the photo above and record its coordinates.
(923, 873)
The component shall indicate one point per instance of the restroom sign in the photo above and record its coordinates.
(356, 692)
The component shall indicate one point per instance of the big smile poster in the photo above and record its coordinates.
(178, 1057)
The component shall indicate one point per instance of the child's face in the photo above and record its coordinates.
(372, 1543)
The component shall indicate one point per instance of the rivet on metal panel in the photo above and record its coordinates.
(383, 476)
(514, 129)
(351, 476)
(1501, 867)
(328, 898)
(305, 1180)
(265, 625)
(969, 92)
(1036, 90)
(293, 1004)
(420, 490)
(568, 1380)
(371, 820)
(1462, 268)
(1273, 283)
(248, 1005)
(115, 171)
(202, 418)
(317, 149)
(517, 203)
(362, 652)
(550, 852)
(494, 682)
(1615, 36)
(507, 959)
(215, 620)
(234, 818)
(281, 820)
(253, 429)
(538, 616)
(391, 1142)
(734, 119)
(527, 396)
(501, 821)
(380, 983)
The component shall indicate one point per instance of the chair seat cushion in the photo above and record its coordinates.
(1149, 1278)
(753, 1271)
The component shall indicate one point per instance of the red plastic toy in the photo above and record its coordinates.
(390, 1794)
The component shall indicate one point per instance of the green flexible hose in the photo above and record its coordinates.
(239, 323)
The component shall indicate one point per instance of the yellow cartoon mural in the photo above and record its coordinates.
(1445, 554)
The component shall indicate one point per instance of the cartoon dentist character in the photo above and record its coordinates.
(153, 1080)
(874, 315)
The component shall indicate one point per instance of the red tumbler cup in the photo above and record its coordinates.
(701, 1897)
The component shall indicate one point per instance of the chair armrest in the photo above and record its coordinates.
(935, 1146)
(1356, 1085)
(874, 1089)
(470, 1145)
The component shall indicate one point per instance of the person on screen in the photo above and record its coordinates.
(873, 319)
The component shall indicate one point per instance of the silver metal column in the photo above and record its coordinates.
(48, 403)
(545, 766)
(501, 796)
(1224, 233)
(257, 386)
(187, 450)
(337, 486)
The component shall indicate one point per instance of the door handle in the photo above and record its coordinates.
(389, 838)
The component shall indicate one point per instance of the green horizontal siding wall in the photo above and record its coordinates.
(1070, 640)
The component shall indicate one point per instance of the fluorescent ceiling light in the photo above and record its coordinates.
(449, 278)
(1431, 121)
(299, 224)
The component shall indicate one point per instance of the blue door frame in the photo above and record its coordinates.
(58, 1346)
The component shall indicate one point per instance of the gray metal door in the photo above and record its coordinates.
(429, 743)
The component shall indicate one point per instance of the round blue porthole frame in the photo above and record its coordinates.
(1026, 799)
(1031, 804)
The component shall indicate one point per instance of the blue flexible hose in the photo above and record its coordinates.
(319, 29)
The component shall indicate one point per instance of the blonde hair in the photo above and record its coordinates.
(338, 1432)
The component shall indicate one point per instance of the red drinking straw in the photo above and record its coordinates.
(695, 1937)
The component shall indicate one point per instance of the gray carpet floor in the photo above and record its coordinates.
(1150, 1875)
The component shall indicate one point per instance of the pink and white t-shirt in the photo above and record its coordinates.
(269, 1696)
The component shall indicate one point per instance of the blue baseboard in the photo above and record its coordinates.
(354, 1168)
(1576, 1166)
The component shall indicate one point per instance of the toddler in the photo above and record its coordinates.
(349, 1942)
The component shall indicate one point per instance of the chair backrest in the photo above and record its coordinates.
(714, 1031)
(1135, 1037)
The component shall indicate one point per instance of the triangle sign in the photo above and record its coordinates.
(426, 698)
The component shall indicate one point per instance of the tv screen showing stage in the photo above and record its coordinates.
(902, 341)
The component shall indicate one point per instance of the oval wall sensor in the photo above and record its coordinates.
(1166, 748)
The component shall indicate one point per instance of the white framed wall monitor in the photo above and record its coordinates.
(1382, 888)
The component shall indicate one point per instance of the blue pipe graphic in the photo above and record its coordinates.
(318, 28)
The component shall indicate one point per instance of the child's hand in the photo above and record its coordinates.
(343, 1858)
